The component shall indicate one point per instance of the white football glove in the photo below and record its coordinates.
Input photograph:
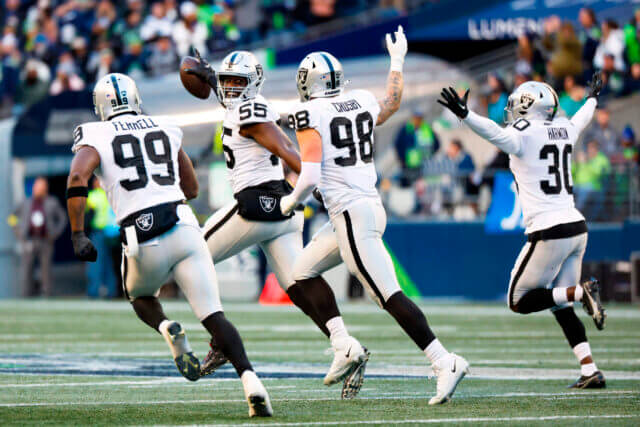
(397, 49)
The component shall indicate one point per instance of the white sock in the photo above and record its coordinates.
(581, 351)
(336, 328)
(588, 369)
(249, 380)
(560, 296)
(578, 293)
(435, 350)
(163, 325)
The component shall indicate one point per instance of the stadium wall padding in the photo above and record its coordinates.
(446, 259)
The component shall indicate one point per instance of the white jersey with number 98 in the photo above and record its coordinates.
(138, 160)
(345, 124)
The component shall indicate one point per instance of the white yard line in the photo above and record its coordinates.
(452, 308)
(568, 395)
(398, 396)
(447, 420)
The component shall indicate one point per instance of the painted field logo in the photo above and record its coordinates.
(145, 221)
(268, 203)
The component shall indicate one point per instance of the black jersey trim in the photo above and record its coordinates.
(560, 231)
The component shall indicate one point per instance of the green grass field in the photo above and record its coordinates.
(80, 362)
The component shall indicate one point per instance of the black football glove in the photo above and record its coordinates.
(203, 71)
(595, 86)
(453, 102)
(82, 247)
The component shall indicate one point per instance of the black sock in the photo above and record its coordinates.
(149, 311)
(410, 318)
(535, 300)
(316, 299)
(228, 341)
(571, 326)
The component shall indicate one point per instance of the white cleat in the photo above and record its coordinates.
(349, 355)
(256, 394)
(450, 370)
(186, 362)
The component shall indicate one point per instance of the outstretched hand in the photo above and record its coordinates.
(595, 85)
(397, 49)
(203, 70)
(453, 102)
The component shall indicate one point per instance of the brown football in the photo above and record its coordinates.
(191, 83)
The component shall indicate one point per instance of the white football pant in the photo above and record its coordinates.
(227, 234)
(547, 264)
(354, 236)
(181, 252)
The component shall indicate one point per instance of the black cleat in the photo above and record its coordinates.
(189, 366)
(353, 382)
(592, 304)
(214, 359)
(596, 380)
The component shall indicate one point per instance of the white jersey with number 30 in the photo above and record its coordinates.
(345, 124)
(138, 160)
(249, 163)
(540, 159)
(542, 171)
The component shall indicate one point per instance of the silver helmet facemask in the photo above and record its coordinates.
(116, 94)
(531, 100)
(239, 64)
(319, 75)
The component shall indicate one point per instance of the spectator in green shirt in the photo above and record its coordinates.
(590, 175)
(104, 233)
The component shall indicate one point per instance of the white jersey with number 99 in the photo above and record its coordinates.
(138, 160)
(345, 124)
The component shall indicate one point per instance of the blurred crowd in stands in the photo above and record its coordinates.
(49, 46)
(445, 180)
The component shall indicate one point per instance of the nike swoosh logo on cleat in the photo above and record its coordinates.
(348, 353)
(454, 366)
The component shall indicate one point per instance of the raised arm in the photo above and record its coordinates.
(506, 141)
(583, 116)
(395, 82)
(84, 163)
(311, 153)
(271, 137)
(188, 178)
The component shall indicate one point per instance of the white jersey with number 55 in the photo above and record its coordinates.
(540, 158)
(345, 124)
(249, 163)
(138, 160)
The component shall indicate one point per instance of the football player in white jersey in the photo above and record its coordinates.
(253, 144)
(547, 272)
(147, 176)
(335, 133)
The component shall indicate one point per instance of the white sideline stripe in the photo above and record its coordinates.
(594, 395)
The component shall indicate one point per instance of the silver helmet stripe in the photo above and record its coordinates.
(331, 70)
